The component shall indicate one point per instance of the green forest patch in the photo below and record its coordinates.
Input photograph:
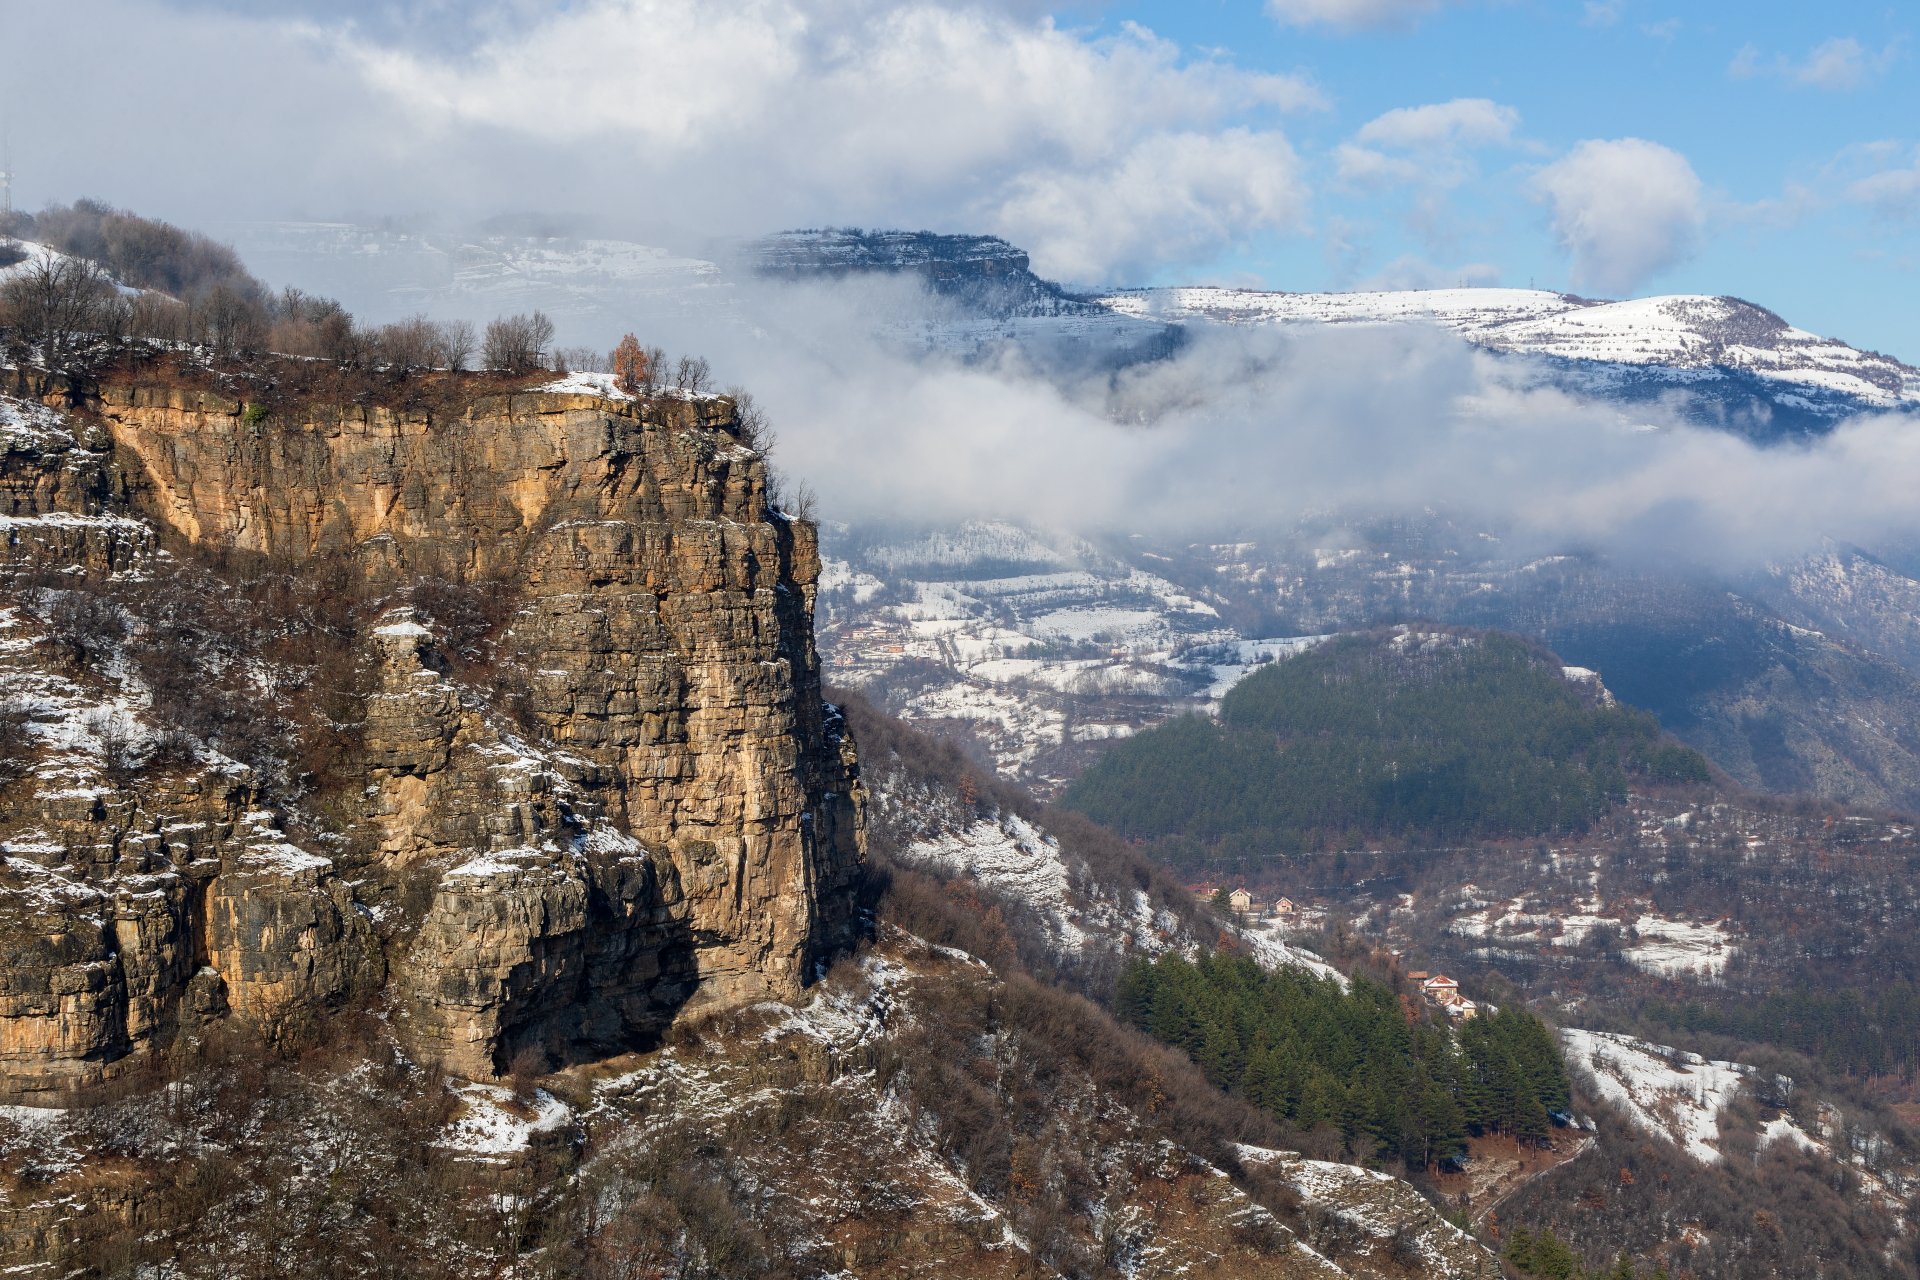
(1387, 737)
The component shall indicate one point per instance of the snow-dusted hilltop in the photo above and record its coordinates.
(1687, 339)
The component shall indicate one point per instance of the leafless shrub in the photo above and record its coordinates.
(523, 1074)
(406, 345)
(581, 360)
(120, 747)
(518, 344)
(16, 743)
(86, 626)
(305, 325)
(465, 615)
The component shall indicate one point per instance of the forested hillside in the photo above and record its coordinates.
(1322, 1056)
(1398, 736)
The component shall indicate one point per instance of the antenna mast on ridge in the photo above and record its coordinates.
(6, 177)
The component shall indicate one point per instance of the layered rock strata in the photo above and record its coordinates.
(665, 815)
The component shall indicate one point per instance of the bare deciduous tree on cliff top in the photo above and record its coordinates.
(453, 344)
(693, 374)
(54, 305)
(517, 344)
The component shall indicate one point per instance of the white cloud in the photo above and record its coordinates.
(1463, 120)
(1601, 13)
(1892, 191)
(1836, 64)
(1425, 146)
(1841, 63)
(685, 120)
(922, 111)
(1624, 209)
(1366, 167)
(1174, 196)
(1351, 14)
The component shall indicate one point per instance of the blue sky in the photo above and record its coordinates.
(1608, 147)
(1775, 138)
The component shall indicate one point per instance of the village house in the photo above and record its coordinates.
(1285, 907)
(1443, 993)
(1240, 900)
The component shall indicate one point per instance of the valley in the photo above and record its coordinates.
(480, 821)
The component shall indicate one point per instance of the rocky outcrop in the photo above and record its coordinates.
(983, 274)
(642, 803)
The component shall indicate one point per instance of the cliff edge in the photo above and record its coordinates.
(634, 802)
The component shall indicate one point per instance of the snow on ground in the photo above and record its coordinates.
(838, 575)
(1679, 947)
(1013, 859)
(1692, 334)
(1650, 942)
(1231, 662)
(29, 424)
(1378, 1205)
(1270, 947)
(1014, 727)
(48, 1137)
(491, 1126)
(1783, 1129)
(1676, 1095)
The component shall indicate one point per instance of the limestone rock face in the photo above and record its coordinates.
(641, 804)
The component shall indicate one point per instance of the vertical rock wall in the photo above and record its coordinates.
(669, 815)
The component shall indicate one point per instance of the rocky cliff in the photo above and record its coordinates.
(639, 804)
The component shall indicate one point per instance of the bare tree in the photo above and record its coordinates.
(155, 315)
(55, 307)
(582, 360)
(406, 345)
(229, 317)
(693, 374)
(750, 421)
(518, 344)
(453, 344)
(305, 325)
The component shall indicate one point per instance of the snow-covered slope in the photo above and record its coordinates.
(1689, 336)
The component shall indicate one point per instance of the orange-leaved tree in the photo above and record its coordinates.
(630, 365)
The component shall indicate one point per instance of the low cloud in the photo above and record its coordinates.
(1624, 210)
(1249, 429)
